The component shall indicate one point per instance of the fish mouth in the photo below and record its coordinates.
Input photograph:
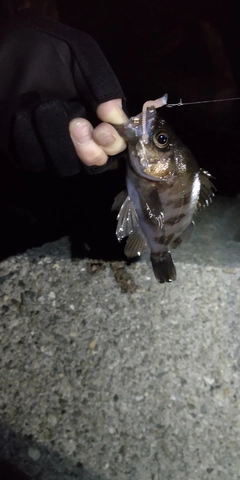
(140, 126)
(132, 130)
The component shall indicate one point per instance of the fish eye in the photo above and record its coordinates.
(161, 139)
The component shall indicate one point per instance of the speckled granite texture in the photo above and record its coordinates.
(105, 374)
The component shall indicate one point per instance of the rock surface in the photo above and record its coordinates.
(106, 374)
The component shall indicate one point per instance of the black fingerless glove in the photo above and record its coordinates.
(50, 74)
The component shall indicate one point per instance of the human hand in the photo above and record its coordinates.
(94, 145)
(61, 89)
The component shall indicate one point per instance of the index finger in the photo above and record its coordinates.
(112, 112)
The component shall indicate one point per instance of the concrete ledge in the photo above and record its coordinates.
(107, 374)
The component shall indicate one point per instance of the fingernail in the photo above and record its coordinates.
(80, 131)
(112, 112)
(104, 138)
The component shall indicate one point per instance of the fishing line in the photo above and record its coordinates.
(181, 103)
(161, 102)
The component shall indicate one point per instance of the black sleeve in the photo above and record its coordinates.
(51, 73)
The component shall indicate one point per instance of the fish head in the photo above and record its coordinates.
(162, 155)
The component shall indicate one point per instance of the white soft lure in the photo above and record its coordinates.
(159, 102)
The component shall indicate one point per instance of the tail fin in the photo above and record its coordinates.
(163, 267)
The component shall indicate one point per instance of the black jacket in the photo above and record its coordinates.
(50, 73)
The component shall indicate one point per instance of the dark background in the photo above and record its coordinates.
(188, 49)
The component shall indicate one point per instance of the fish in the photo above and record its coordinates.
(165, 188)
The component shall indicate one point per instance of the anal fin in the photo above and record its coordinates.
(136, 244)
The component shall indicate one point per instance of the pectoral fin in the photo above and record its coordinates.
(136, 244)
(206, 191)
(127, 219)
(119, 200)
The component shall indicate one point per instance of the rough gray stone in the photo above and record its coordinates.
(107, 374)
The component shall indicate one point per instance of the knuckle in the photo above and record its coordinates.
(97, 159)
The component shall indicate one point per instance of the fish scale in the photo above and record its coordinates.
(181, 213)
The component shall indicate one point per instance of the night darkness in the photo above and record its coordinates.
(188, 49)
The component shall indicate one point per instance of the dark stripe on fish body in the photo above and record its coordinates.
(173, 220)
(176, 242)
(164, 240)
(182, 201)
(169, 239)
(179, 202)
(160, 240)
